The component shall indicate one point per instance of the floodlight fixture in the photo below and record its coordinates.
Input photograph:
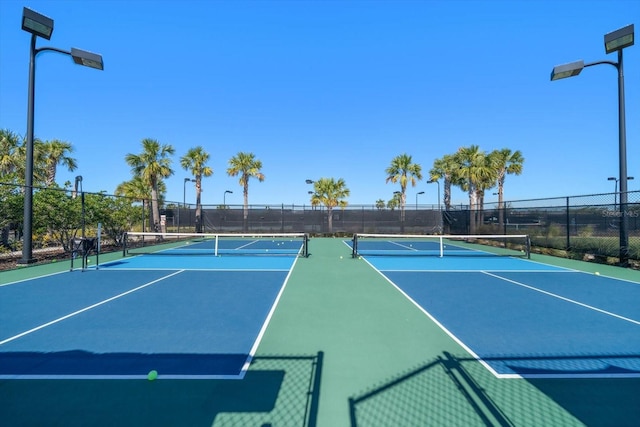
(567, 70)
(88, 59)
(36, 23)
(619, 39)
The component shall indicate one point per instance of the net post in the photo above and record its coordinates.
(71, 242)
(215, 245)
(441, 238)
(354, 246)
(305, 245)
(124, 244)
(528, 246)
(98, 244)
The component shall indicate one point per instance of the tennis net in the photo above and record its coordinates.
(136, 243)
(440, 245)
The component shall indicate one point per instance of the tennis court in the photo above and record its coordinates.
(520, 318)
(482, 335)
(199, 316)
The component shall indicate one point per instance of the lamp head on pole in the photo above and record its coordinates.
(619, 39)
(567, 70)
(37, 24)
(88, 59)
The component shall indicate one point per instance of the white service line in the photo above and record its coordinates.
(60, 319)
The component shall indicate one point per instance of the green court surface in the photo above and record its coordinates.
(343, 348)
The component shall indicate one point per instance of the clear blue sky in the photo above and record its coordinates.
(329, 89)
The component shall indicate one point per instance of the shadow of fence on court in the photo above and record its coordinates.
(460, 391)
(276, 390)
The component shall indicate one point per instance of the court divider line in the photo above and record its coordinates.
(563, 298)
(266, 322)
(441, 326)
(60, 319)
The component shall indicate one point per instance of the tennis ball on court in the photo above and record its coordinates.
(596, 273)
(340, 256)
(152, 375)
(54, 260)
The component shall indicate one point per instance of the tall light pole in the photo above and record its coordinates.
(224, 198)
(417, 194)
(615, 41)
(432, 181)
(40, 26)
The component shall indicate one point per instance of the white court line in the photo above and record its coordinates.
(193, 269)
(441, 326)
(563, 298)
(266, 322)
(60, 319)
(411, 248)
(33, 278)
(474, 271)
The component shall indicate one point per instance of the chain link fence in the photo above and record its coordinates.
(583, 227)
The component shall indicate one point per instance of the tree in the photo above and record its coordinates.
(506, 163)
(50, 154)
(380, 204)
(473, 175)
(445, 168)
(136, 190)
(56, 217)
(395, 201)
(247, 166)
(9, 158)
(10, 166)
(116, 214)
(330, 193)
(402, 170)
(196, 161)
(152, 165)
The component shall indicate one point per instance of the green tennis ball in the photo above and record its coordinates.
(152, 375)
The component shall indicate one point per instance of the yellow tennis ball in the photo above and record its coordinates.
(597, 273)
(152, 375)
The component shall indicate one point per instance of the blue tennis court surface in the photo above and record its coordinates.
(185, 317)
(525, 319)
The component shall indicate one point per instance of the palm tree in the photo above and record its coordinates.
(474, 172)
(52, 153)
(247, 166)
(445, 168)
(136, 189)
(196, 161)
(152, 165)
(9, 158)
(330, 193)
(402, 170)
(506, 163)
(395, 201)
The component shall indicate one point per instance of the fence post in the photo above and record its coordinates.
(568, 245)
